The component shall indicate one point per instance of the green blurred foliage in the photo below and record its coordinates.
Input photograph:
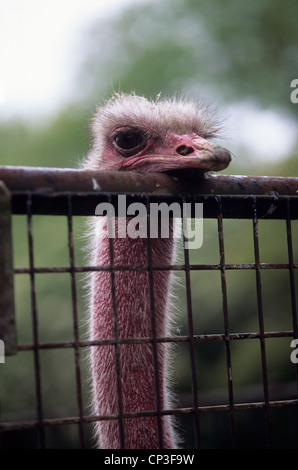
(228, 51)
(60, 142)
(234, 49)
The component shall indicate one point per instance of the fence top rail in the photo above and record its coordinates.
(24, 179)
(49, 190)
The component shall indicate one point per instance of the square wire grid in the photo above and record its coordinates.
(220, 207)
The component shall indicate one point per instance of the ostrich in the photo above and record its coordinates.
(131, 133)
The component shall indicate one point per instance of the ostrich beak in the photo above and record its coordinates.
(203, 160)
(183, 152)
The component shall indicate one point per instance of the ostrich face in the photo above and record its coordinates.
(134, 134)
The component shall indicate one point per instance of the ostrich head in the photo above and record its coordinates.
(133, 134)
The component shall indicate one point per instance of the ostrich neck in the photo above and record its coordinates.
(134, 320)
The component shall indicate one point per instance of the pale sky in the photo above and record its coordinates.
(38, 41)
(37, 51)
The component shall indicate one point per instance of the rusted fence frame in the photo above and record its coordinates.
(76, 192)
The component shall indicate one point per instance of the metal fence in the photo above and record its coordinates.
(252, 396)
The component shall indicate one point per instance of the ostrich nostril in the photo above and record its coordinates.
(184, 150)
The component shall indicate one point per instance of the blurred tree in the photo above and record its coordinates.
(60, 142)
(224, 52)
(236, 50)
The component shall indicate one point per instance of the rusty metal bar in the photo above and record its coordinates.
(8, 334)
(37, 371)
(171, 267)
(49, 187)
(116, 345)
(237, 207)
(170, 339)
(292, 279)
(178, 411)
(191, 340)
(261, 324)
(22, 179)
(154, 336)
(75, 324)
(226, 323)
(291, 272)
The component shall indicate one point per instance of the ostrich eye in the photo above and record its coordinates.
(129, 142)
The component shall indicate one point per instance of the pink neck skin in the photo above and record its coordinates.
(133, 321)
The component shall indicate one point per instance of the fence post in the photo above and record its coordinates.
(8, 337)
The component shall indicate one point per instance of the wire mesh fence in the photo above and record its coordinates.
(235, 382)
